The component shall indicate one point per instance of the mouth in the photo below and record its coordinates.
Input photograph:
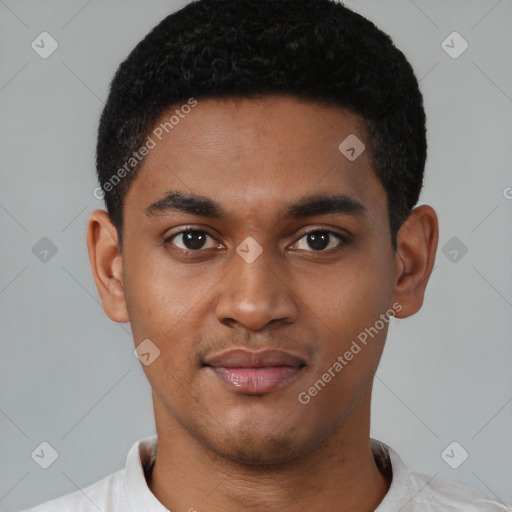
(254, 373)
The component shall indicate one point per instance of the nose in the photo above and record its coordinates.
(255, 295)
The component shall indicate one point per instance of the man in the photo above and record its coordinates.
(261, 161)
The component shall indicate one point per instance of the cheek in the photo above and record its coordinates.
(346, 307)
(171, 306)
(160, 294)
(350, 297)
(350, 343)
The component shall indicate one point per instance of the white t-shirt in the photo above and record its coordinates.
(127, 490)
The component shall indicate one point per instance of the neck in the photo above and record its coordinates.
(341, 474)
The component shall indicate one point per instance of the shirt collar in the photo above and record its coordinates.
(141, 458)
(404, 486)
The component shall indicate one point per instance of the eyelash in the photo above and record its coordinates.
(343, 240)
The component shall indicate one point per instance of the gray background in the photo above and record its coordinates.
(68, 375)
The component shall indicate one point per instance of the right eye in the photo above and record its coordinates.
(192, 240)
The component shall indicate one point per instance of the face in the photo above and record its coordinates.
(254, 255)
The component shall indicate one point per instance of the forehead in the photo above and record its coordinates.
(257, 154)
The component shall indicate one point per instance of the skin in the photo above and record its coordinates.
(219, 449)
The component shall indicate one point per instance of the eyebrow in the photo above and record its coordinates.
(175, 200)
(324, 205)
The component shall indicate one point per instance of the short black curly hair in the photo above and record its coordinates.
(317, 50)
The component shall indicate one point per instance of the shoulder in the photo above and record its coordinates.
(116, 492)
(102, 495)
(414, 492)
(452, 496)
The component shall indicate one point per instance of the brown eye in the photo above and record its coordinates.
(320, 240)
(192, 240)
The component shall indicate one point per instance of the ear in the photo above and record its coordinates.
(414, 258)
(107, 265)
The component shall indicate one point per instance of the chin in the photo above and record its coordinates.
(255, 445)
(253, 450)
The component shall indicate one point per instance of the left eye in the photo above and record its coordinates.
(192, 240)
(320, 241)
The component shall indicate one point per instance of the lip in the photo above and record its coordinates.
(254, 373)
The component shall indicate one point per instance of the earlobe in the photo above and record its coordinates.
(106, 264)
(415, 255)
